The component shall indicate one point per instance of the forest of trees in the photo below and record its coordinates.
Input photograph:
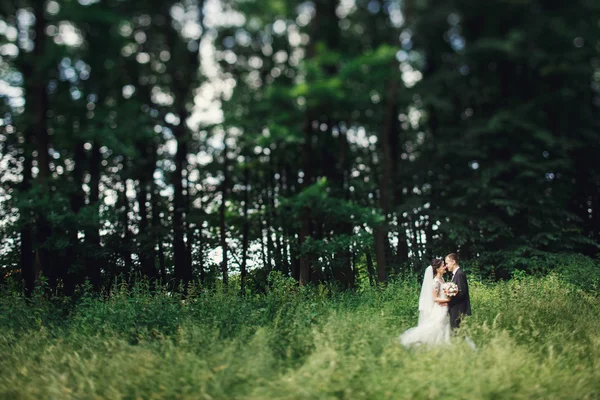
(338, 141)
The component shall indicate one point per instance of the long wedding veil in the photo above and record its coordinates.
(426, 297)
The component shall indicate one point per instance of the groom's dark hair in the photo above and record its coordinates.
(453, 257)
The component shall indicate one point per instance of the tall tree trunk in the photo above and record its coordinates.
(201, 257)
(94, 257)
(183, 271)
(126, 245)
(156, 232)
(294, 258)
(279, 217)
(39, 108)
(324, 27)
(269, 232)
(321, 29)
(71, 272)
(189, 230)
(335, 169)
(27, 261)
(262, 210)
(401, 252)
(381, 239)
(26, 217)
(304, 267)
(146, 242)
(263, 245)
(246, 229)
(271, 217)
(345, 228)
(185, 77)
(161, 261)
(223, 226)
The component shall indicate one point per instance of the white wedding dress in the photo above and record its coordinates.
(434, 323)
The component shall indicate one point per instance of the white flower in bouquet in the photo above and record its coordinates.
(450, 289)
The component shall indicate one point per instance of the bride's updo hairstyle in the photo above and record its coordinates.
(436, 264)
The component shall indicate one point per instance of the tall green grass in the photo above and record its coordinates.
(536, 338)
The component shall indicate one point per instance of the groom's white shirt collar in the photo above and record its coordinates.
(454, 272)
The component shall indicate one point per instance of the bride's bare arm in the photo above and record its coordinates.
(437, 299)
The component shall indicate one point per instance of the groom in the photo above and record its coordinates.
(460, 305)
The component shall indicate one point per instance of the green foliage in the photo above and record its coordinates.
(134, 313)
(578, 270)
(299, 343)
(322, 205)
(459, 114)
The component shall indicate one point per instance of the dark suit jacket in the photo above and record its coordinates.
(461, 303)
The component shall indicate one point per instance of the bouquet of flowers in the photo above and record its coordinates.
(450, 289)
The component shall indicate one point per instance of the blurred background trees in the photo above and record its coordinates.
(341, 141)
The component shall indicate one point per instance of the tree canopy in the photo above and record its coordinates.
(340, 141)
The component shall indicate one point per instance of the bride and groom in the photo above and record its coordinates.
(442, 305)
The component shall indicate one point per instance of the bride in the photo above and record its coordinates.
(434, 325)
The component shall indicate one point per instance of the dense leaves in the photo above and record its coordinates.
(332, 141)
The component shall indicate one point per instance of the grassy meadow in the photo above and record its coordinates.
(537, 338)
